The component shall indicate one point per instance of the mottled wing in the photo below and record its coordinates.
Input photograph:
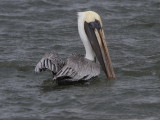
(78, 68)
(50, 61)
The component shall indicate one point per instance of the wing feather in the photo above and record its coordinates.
(78, 68)
(50, 61)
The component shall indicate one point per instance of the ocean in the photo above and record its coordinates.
(30, 28)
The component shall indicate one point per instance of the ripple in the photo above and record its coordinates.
(30, 28)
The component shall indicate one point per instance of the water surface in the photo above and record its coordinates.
(29, 28)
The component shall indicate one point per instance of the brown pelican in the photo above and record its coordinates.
(78, 68)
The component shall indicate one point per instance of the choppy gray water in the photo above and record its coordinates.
(29, 28)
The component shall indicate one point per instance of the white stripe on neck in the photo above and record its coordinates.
(89, 51)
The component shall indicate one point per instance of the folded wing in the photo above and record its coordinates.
(78, 68)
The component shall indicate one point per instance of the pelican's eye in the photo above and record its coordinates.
(97, 21)
(95, 25)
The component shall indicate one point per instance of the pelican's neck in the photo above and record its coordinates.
(89, 51)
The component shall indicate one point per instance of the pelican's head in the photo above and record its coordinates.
(91, 16)
(93, 38)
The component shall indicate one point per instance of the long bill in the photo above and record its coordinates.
(97, 39)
